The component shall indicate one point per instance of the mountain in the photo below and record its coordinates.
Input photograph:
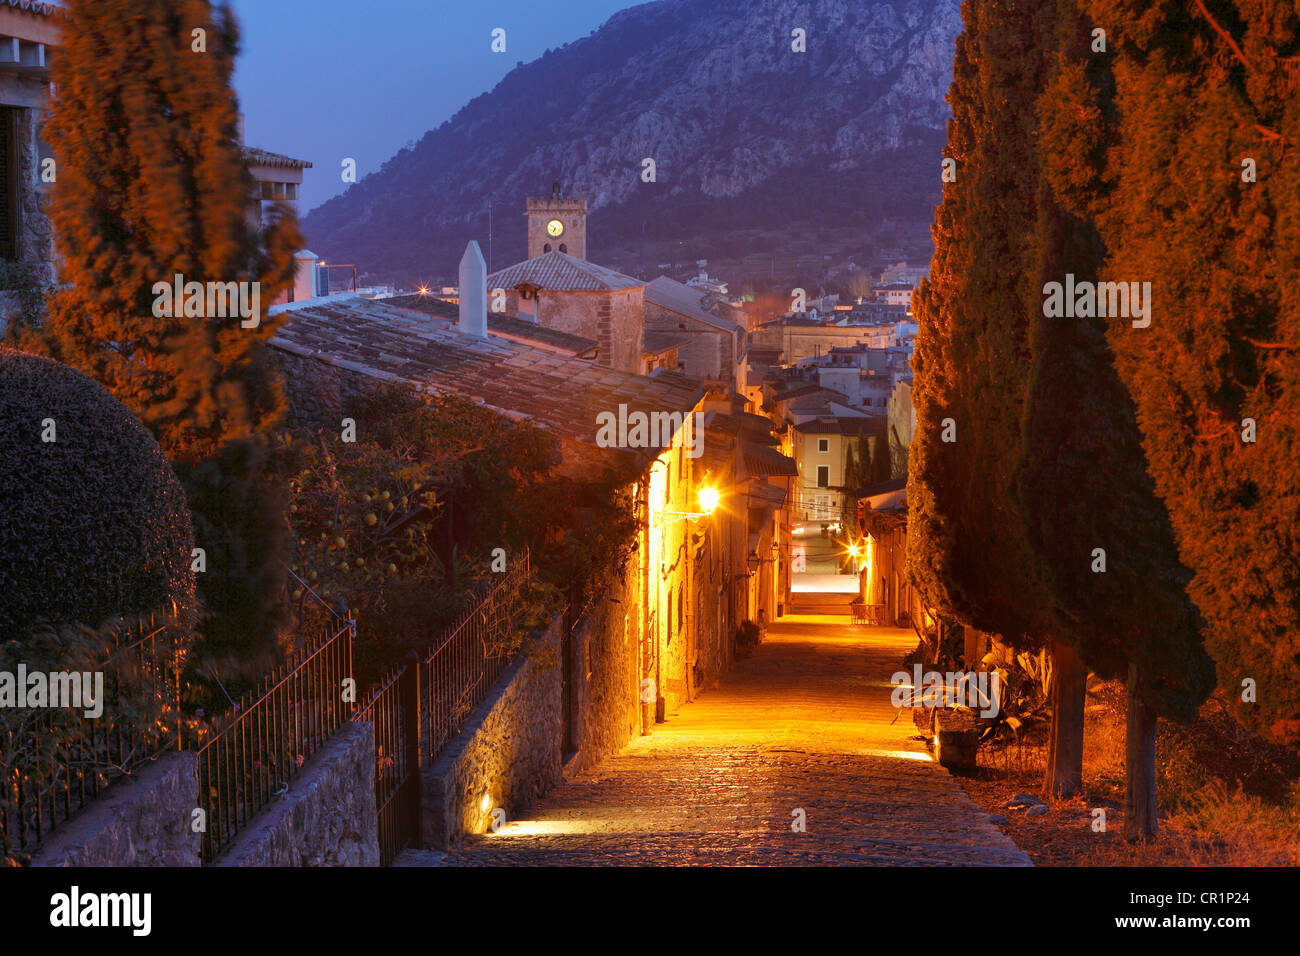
(758, 149)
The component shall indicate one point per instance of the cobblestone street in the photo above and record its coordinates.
(804, 724)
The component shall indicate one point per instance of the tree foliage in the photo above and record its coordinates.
(402, 526)
(967, 550)
(1083, 483)
(1154, 150)
(152, 184)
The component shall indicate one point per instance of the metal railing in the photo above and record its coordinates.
(460, 671)
(260, 748)
(393, 708)
(57, 759)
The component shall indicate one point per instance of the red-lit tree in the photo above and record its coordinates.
(151, 183)
(1185, 154)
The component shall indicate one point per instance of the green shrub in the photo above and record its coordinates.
(93, 524)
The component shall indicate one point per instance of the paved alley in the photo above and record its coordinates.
(805, 724)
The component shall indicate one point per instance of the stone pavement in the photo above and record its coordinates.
(805, 724)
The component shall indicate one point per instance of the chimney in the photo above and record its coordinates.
(304, 275)
(473, 292)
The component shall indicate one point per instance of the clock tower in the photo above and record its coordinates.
(557, 224)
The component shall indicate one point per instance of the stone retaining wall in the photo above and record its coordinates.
(604, 673)
(506, 755)
(328, 817)
(142, 820)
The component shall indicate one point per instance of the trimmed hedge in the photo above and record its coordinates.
(94, 524)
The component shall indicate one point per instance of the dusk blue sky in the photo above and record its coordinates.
(325, 79)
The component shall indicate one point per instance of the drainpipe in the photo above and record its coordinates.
(643, 649)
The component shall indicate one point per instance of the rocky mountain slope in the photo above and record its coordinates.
(753, 143)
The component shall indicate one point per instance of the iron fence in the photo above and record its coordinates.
(393, 709)
(264, 743)
(271, 732)
(57, 759)
(459, 672)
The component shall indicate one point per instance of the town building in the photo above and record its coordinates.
(832, 455)
(560, 291)
(882, 530)
(29, 37)
(706, 496)
(901, 426)
(710, 344)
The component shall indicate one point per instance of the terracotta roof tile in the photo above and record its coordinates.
(264, 157)
(561, 272)
(560, 393)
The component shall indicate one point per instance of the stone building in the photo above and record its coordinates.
(710, 344)
(901, 428)
(557, 223)
(559, 291)
(29, 35)
(670, 617)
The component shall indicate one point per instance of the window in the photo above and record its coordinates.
(823, 476)
(823, 444)
(866, 401)
(9, 180)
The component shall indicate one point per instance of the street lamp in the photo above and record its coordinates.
(709, 498)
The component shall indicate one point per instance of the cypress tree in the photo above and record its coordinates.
(151, 184)
(1189, 167)
(1089, 503)
(968, 552)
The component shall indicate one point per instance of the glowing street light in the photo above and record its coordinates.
(709, 499)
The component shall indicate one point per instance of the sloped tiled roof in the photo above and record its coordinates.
(560, 393)
(561, 272)
(498, 324)
(682, 299)
(838, 426)
(762, 460)
(658, 342)
(263, 157)
(34, 6)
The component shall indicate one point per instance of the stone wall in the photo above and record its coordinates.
(615, 321)
(318, 393)
(506, 755)
(328, 817)
(604, 676)
(707, 350)
(142, 820)
(36, 232)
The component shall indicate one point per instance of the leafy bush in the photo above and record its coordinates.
(399, 526)
(94, 523)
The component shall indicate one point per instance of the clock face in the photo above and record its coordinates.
(555, 228)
